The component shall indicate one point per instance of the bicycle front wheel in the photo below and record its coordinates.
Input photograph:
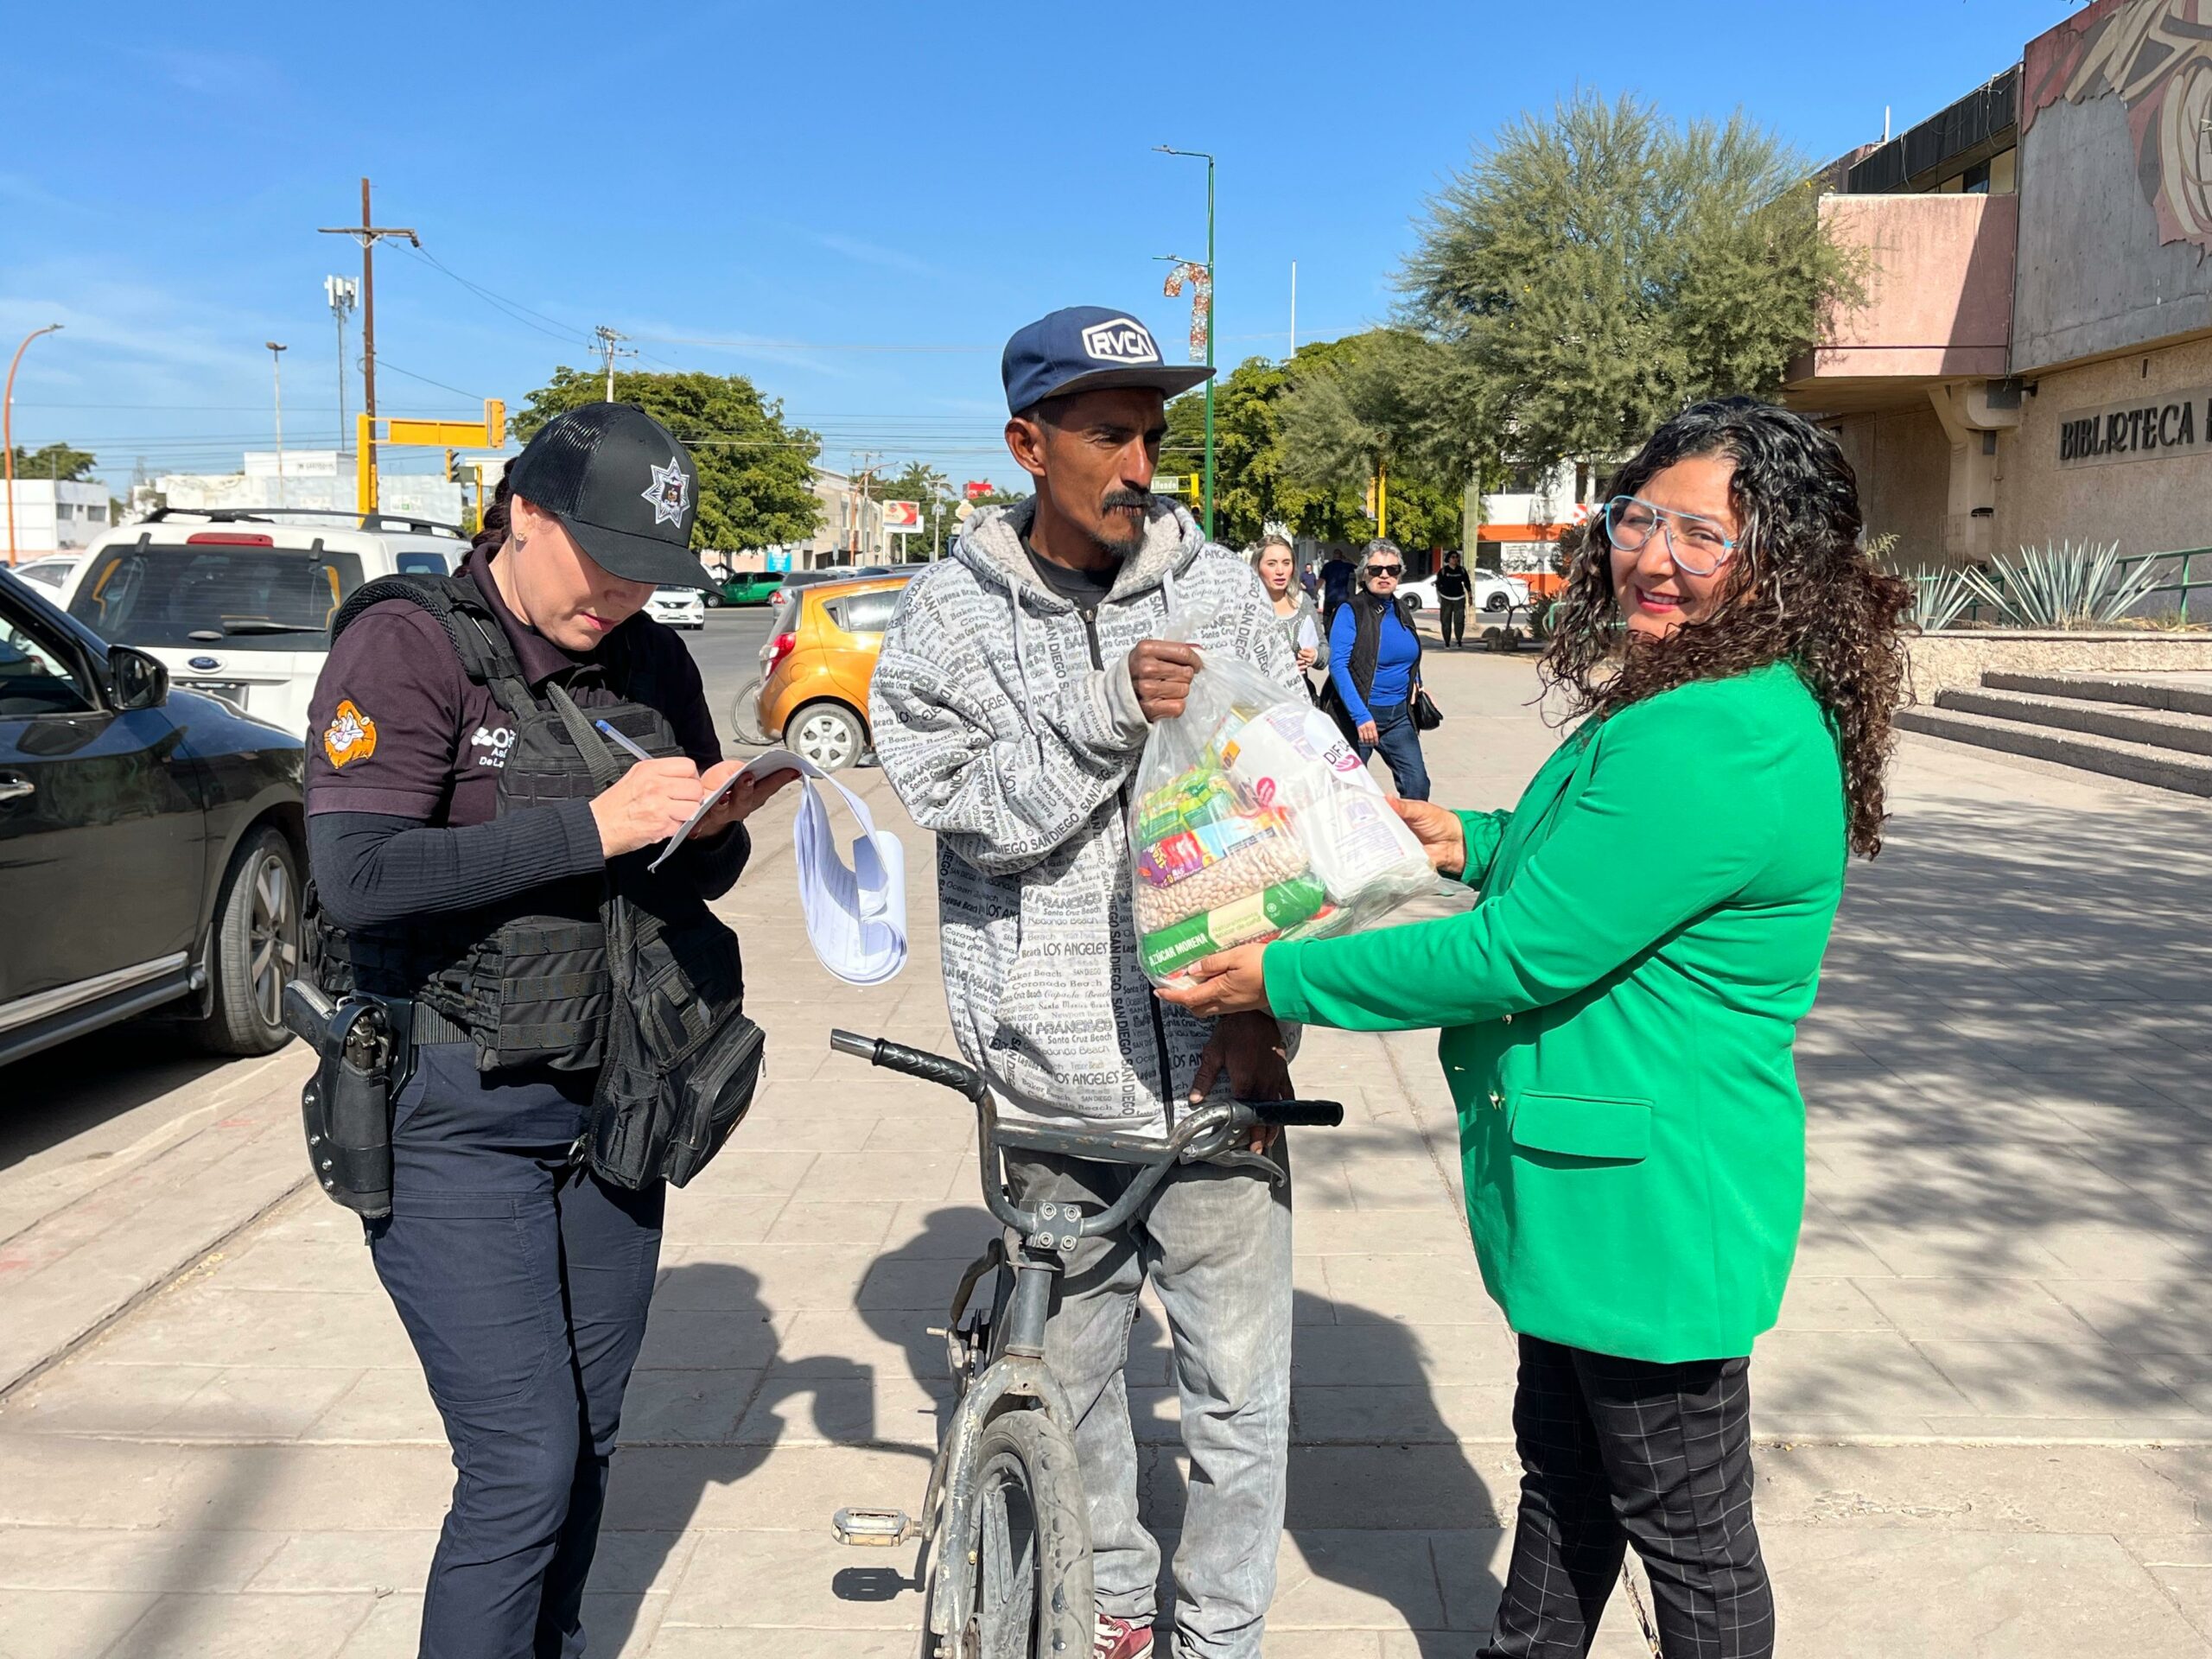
(1031, 1546)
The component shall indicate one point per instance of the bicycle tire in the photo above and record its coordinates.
(1030, 1545)
(744, 715)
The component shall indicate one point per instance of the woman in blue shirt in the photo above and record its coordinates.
(1375, 669)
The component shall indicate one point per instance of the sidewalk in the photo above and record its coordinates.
(1987, 1416)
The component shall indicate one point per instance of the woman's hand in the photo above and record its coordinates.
(1306, 656)
(1228, 981)
(645, 804)
(1441, 835)
(741, 801)
(1368, 735)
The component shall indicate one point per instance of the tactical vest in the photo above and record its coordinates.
(621, 971)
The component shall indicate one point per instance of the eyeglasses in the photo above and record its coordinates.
(1694, 543)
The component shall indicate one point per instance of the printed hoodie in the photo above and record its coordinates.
(1005, 720)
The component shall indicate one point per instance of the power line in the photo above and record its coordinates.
(802, 344)
(514, 309)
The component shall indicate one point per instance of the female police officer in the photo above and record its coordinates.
(467, 876)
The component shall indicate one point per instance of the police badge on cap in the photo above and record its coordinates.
(621, 485)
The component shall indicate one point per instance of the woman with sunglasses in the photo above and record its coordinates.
(1618, 1008)
(1375, 671)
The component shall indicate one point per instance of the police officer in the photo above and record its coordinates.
(466, 868)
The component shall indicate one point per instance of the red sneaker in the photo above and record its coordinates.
(1117, 1638)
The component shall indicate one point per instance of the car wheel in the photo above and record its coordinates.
(828, 734)
(1498, 602)
(714, 600)
(254, 948)
(1412, 601)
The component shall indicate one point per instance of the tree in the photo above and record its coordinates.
(55, 460)
(756, 473)
(1589, 275)
(1369, 404)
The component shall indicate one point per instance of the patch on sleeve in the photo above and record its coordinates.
(351, 736)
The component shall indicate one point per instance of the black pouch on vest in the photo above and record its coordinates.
(680, 1061)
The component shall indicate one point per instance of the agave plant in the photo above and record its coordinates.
(2068, 584)
(1938, 596)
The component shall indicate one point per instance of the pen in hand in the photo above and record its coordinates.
(606, 730)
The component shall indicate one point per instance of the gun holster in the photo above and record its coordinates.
(364, 1051)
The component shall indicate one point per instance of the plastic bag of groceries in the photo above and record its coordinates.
(1253, 820)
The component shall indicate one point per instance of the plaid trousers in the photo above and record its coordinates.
(1616, 1451)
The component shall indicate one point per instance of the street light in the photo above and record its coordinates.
(1200, 155)
(8, 428)
(276, 376)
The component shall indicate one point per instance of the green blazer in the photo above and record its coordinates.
(1617, 1013)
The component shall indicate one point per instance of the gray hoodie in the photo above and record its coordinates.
(1005, 720)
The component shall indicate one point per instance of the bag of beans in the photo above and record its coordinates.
(1253, 820)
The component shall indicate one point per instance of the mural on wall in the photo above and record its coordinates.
(2155, 56)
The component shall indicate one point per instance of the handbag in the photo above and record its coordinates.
(1426, 716)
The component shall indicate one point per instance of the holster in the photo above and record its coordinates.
(363, 1052)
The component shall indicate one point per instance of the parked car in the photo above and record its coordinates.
(750, 588)
(815, 669)
(152, 842)
(238, 601)
(53, 572)
(1492, 593)
(680, 608)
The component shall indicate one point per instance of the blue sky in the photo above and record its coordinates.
(763, 189)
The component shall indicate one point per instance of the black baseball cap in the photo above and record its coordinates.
(622, 485)
(1088, 348)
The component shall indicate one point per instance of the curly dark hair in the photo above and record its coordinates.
(1800, 590)
(493, 532)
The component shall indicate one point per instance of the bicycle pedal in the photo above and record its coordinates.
(872, 1528)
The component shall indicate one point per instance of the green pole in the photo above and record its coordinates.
(1209, 305)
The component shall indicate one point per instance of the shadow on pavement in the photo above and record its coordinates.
(77, 1086)
(680, 1402)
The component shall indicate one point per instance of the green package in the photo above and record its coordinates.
(1262, 915)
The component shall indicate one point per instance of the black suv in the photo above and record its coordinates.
(151, 844)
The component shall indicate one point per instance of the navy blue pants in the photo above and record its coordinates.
(523, 1281)
(1399, 739)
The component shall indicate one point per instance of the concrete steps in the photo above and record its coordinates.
(2150, 733)
(2191, 697)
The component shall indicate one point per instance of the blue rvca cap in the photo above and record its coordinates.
(1088, 348)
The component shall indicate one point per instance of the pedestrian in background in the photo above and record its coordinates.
(1452, 587)
(1301, 624)
(1337, 574)
(1374, 670)
(1618, 1009)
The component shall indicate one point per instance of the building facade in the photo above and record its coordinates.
(56, 516)
(2034, 360)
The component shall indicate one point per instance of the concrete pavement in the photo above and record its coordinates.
(1987, 1416)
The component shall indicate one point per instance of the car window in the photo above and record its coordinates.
(35, 678)
(864, 612)
(240, 598)
(49, 573)
(422, 564)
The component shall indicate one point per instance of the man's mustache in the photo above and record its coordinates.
(1126, 499)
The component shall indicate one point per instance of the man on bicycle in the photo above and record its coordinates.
(1016, 687)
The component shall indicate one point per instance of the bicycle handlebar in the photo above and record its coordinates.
(1217, 1124)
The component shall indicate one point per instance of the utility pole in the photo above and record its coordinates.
(865, 462)
(1293, 308)
(368, 235)
(8, 428)
(344, 294)
(277, 379)
(606, 338)
(1200, 155)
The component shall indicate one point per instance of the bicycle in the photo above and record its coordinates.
(1004, 1527)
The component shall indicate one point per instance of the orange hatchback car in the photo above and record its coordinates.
(815, 669)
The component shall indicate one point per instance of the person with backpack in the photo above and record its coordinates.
(539, 1013)
(1375, 671)
(1453, 585)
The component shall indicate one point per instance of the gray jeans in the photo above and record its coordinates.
(1216, 1245)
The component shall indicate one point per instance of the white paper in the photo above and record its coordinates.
(855, 914)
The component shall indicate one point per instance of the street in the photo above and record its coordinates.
(1984, 1423)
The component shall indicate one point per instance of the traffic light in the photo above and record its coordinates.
(495, 423)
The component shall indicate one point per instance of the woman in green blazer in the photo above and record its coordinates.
(1617, 1010)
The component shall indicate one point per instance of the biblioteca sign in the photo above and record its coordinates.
(2175, 423)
